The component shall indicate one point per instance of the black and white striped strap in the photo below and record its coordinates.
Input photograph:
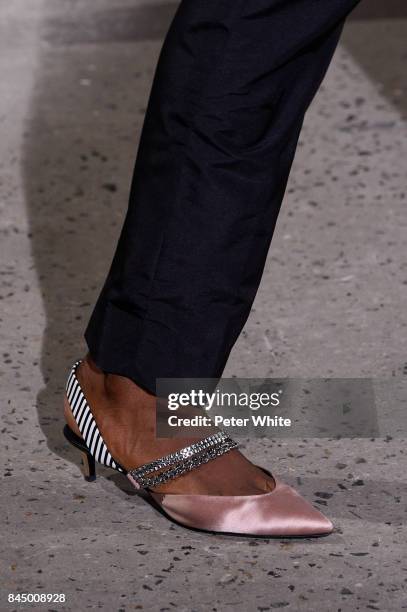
(86, 422)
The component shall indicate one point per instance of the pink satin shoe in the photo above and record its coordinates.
(279, 513)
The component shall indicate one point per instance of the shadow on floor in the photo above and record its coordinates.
(378, 46)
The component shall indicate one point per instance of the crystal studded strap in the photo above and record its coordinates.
(186, 459)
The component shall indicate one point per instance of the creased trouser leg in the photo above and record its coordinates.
(232, 85)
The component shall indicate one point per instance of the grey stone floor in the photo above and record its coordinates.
(74, 82)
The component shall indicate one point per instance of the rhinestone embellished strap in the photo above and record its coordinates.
(182, 461)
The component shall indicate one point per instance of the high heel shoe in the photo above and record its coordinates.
(279, 513)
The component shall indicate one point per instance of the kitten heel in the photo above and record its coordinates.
(89, 467)
(88, 462)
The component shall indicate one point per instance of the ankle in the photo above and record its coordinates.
(119, 392)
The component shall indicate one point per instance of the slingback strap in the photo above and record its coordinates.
(182, 461)
(86, 423)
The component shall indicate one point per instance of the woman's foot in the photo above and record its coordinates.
(125, 415)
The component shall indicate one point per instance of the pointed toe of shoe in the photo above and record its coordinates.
(305, 520)
(285, 513)
(292, 515)
(281, 513)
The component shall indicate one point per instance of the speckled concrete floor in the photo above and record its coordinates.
(74, 82)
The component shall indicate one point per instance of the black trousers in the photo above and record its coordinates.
(233, 82)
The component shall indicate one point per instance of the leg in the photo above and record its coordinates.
(227, 105)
